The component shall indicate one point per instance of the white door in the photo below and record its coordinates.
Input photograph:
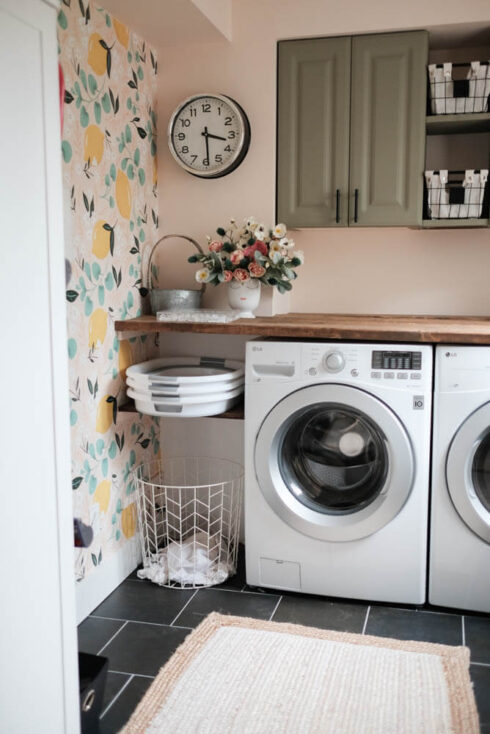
(334, 462)
(468, 471)
(39, 674)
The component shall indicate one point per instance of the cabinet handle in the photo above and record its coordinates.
(356, 204)
(337, 206)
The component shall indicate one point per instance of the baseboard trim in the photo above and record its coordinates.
(95, 587)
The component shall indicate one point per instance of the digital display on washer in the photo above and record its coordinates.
(396, 360)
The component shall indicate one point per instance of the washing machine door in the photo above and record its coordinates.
(334, 462)
(468, 471)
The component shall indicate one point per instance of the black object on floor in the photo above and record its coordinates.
(92, 671)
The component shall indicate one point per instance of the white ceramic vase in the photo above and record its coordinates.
(244, 297)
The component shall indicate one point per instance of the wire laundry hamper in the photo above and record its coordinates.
(189, 517)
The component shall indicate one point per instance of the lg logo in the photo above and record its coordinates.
(450, 354)
(418, 402)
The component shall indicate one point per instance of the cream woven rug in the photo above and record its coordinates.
(234, 675)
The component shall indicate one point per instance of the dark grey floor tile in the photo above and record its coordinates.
(477, 636)
(314, 611)
(226, 602)
(237, 581)
(143, 648)
(94, 633)
(480, 675)
(114, 683)
(405, 624)
(144, 602)
(123, 707)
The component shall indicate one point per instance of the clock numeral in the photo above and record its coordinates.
(192, 112)
(185, 122)
(227, 120)
(218, 158)
(185, 149)
(231, 134)
(228, 149)
(181, 136)
(194, 158)
(206, 107)
(219, 110)
(205, 161)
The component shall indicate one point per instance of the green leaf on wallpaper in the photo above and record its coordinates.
(78, 103)
(142, 235)
(153, 148)
(96, 270)
(76, 482)
(112, 450)
(113, 172)
(100, 556)
(72, 348)
(111, 354)
(86, 266)
(77, 90)
(130, 57)
(92, 83)
(116, 343)
(97, 113)
(131, 270)
(108, 20)
(66, 151)
(91, 449)
(119, 506)
(118, 534)
(99, 445)
(62, 21)
(106, 102)
(131, 225)
(71, 296)
(124, 163)
(83, 79)
(92, 485)
(109, 281)
(140, 73)
(137, 156)
(132, 458)
(129, 103)
(145, 443)
(111, 202)
(89, 306)
(105, 467)
(115, 373)
(73, 417)
(107, 180)
(84, 118)
(101, 294)
(114, 518)
(130, 300)
(94, 558)
(127, 134)
(90, 386)
(141, 176)
(130, 171)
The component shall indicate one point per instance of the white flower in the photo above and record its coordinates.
(275, 247)
(299, 254)
(279, 231)
(250, 223)
(259, 233)
(275, 256)
(203, 275)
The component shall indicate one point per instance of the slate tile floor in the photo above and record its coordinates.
(139, 626)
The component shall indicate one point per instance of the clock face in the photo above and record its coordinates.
(209, 135)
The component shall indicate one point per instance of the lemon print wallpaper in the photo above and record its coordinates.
(109, 174)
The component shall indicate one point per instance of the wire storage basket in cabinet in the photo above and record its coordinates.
(456, 194)
(459, 88)
(189, 518)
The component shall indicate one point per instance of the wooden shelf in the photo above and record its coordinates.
(235, 413)
(379, 327)
(457, 124)
(454, 223)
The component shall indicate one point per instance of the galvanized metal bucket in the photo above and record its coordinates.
(173, 299)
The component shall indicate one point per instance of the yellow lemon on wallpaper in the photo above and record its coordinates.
(93, 148)
(122, 32)
(128, 520)
(123, 195)
(101, 239)
(97, 55)
(102, 494)
(104, 415)
(97, 327)
(125, 357)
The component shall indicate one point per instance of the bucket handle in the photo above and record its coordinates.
(149, 277)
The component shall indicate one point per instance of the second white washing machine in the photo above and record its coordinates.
(337, 448)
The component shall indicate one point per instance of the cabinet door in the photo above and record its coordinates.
(313, 132)
(388, 99)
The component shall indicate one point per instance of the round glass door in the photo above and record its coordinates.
(334, 462)
(468, 471)
(333, 458)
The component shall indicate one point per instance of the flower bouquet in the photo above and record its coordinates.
(250, 253)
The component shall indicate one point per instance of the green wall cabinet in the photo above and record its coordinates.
(351, 130)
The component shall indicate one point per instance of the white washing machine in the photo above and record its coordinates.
(459, 570)
(337, 444)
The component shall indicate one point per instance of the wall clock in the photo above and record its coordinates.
(209, 135)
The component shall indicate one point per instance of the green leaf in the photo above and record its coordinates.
(112, 450)
(72, 348)
(106, 103)
(94, 558)
(73, 417)
(105, 467)
(130, 172)
(89, 306)
(141, 176)
(130, 300)
(84, 117)
(153, 148)
(92, 485)
(127, 134)
(140, 73)
(62, 21)
(101, 294)
(71, 296)
(66, 151)
(83, 79)
(107, 180)
(96, 270)
(109, 281)
(137, 156)
(76, 482)
(108, 20)
(111, 202)
(97, 112)
(92, 84)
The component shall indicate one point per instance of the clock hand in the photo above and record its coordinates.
(216, 137)
(206, 136)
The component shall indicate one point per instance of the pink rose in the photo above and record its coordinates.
(260, 246)
(256, 270)
(241, 275)
(215, 246)
(228, 275)
(236, 257)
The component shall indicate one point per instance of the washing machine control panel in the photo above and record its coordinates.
(396, 360)
(334, 361)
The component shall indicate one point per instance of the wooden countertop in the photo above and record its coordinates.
(380, 327)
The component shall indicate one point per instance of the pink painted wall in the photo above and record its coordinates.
(363, 270)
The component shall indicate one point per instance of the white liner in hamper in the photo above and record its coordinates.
(191, 407)
(199, 388)
(185, 371)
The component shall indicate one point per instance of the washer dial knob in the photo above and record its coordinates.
(334, 361)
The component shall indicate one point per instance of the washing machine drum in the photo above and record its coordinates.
(468, 471)
(334, 462)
